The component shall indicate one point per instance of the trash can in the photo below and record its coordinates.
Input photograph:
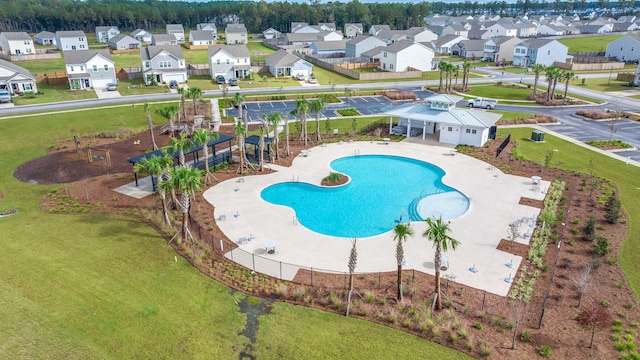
(537, 135)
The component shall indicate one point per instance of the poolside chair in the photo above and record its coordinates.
(222, 217)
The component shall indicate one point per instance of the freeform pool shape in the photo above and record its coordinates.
(383, 190)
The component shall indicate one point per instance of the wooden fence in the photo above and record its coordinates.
(345, 69)
(612, 65)
(127, 51)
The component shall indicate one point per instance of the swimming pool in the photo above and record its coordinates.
(383, 190)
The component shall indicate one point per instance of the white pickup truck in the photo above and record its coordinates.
(483, 103)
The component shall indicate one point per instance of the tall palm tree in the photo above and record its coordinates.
(186, 180)
(237, 101)
(241, 133)
(537, 70)
(194, 93)
(273, 122)
(150, 125)
(203, 136)
(301, 110)
(168, 112)
(180, 144)
(441, 66)
(183, 94)
(401, 233)
(317, 106)
(568, 76)
(157, 166)
(466, 68)
(287, 148)
(552, 74)
(437, 231)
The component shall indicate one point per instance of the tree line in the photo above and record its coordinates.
(52, 15)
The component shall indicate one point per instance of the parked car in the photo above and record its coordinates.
(312, 80)
(173, 84)
(220, 80)
(111, 87)
(233, 82)
(5, 96)
(483, 103)
(299, 76)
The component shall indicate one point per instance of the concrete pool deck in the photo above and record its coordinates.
(494, 204)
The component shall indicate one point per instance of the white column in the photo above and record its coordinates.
(408, 127)
(390, 123)
(424, 130)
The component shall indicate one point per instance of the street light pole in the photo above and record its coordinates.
(610, 72)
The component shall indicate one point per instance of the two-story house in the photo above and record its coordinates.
(501, 28)
(45, 38)
(500, 48)
(405, 54)
(283, 64)
(176, 30)
(89, 69)
(526, 30)
(142, 35)
(71, 40)
(271, 33)
(16, 79)
(236, 34)
(200, 37)
(329, 48)
(208, 27)
(539, 51)
(420, 34)
(163, 40)
(230, 61)
(469, 49)
(16, 43)
(551, 30)
(105, 33)
(123, 42)
(445, 43)
(625, 48)
(352, 30)
(161, 64)
(456, 29)
(359, 44)
(375, 29)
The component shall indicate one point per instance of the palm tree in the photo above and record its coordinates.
(317, 106)
(150, 125)
(203, 136)
(194, 93)
(241, 133)
(401, 233)
(287, 148)
(157, 166)
(273, 121)
(168, 112)
(183, 94)
(537, 70)
(237, 101)
(186, 180)
(466, 68)
(301, 110)
(552, 74)
(441, 66)
(180, 144)
(437, 231)
(568, 76)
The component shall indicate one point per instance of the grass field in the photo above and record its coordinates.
(576, 158)
(589, 43)
(138, 87)
(55, 93)
(108, 287)
(603, 84)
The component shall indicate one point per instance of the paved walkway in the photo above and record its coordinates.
(494, 198)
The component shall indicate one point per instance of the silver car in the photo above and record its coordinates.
(5, 96)
(111, 87)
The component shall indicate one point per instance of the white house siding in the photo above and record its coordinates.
(415, 56)
(450, 134)
(301, 67)
(625, 49)
(100, 76)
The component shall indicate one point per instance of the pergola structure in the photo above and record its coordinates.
(254, 140)
(214, 158)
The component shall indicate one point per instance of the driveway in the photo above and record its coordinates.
(103, 93)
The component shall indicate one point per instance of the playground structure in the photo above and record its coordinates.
(103, 152)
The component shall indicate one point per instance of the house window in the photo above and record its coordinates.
(164, 64)
(106, 67)
(81, 46)
(146, 64)
(621, 48)
(449, 128)
(468, 131)
(95, 68)
(79, 39)
(81, 67)
(217, 61)
(384, 54)
(391, 66)
(473, 131)
(548, 52)
(27, 87)
(71, 68)
(227, 61)
(26, 42)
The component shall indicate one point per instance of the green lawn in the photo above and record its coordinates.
(258, 51)
(203, 82)
(500, 92)
(127, 60)
(576, 158)
(108, 287)
(603, 84)
(589, 43)
(510, 115)
(195, 56)
(55, 93)
(138, 87)
(43, 66)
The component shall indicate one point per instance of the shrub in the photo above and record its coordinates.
(485, 349)
(605, 303)
(478, 325)
(601, 247)
(613, 206)
(545, 351)
(619, 284)
(589, 230)
(348, 112)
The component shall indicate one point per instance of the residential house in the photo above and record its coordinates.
(405, 54)
(325, 26)
(391, 36)
(71, 40)
(142, 36)
(164, 40)
(441, 118)
(89, 69)
(305, 28)
(230, 61)
(271, 33)
(123, 42)
(500, 48)
(469, 49)
(45, 38)
(329, 48)
(436, 29)
(16, 43)
(539, 51)
(596, 29)
(161, 64)
(372, 55)
(444, 44)
(625, 48)
(200, 37)
(359, 44)
(329, 36)
(208, 27)
(420, 34)
(501, 28)
(525, 30)
(551, 30)
(625, 26)
(236, 34)
(176, 30)
(283, 64)
(303, 39)
(16, 79)
(296, 25)
(105, 33)
(375, 29)
(437, 20)
(456, 30)
(352, 30)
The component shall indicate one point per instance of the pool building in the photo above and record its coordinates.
(439, 117)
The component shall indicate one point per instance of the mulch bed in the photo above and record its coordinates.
(90, 182)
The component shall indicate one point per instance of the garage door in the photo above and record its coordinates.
(101, 83)
(176, 77)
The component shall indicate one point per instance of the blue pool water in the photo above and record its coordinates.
(382, 190)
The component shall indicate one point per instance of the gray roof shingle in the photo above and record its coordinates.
(238, 51)
(82, 56)
(152, 51)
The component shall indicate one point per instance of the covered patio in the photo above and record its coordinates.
(254, 141)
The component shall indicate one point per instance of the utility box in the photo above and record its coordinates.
(537, 136)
